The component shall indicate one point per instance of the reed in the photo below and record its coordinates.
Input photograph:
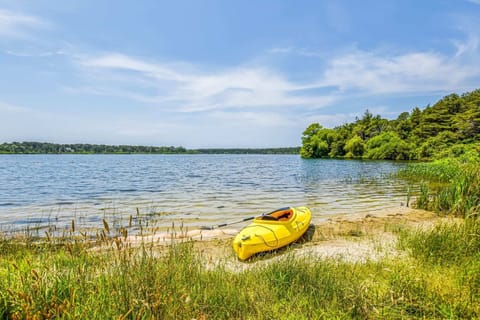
(446, 186)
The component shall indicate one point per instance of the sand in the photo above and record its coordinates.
(354, 238)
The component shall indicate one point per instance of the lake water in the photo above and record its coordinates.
(40, 190)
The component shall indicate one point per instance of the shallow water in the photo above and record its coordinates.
(39, 190)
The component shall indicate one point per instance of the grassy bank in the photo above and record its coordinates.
(438, 276)
(448, 186)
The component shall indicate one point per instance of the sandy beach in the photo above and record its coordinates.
(355, 238)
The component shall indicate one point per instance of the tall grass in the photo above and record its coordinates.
(73, 280)
(440, 171)
(446, 186)
(445, 243)
(452, 249)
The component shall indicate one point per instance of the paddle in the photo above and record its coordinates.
(243, 220)
(225, 224)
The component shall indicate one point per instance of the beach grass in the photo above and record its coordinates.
(446, 186)
(438, 276)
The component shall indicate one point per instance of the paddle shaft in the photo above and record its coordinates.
(243, 220)
(226, 224)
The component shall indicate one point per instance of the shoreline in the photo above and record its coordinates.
(354, 238)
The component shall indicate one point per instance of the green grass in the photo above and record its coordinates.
(441, 171)
(450, 251)
(446, 243)
(445, 186)
(68, 279)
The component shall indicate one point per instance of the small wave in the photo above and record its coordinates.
(93, 218)
(64, 203)
(194, 176)
(38, 220)
(122, 190)
(7, 204)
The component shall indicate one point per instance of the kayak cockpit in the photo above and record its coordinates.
(280, 215)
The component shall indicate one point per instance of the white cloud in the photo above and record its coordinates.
(408, 73)
(185, 88)
(13, 24)
(264, 119)
(474, 1)
(189, 90)
(246, 87)
(26, 54)
(124, 62)
(330, 120)
(297, 51)
(286, 50)
(466, 47)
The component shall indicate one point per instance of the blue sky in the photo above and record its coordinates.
(224, 73)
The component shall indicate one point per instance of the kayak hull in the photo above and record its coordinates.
(271, 232)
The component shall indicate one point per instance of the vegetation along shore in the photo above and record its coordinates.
(419, 261)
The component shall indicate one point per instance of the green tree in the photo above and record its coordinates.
(340, 136)
(354, 147)
(369, 126)
(308, 144)
(316, 141)
(435, 145)
(388, 146)
(467, 123)
(403, 125)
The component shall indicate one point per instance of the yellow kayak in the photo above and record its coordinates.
(272, 231)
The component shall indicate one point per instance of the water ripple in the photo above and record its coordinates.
(39, 189)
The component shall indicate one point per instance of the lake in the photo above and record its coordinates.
(46, 190)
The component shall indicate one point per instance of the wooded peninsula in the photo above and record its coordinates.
(449, 128)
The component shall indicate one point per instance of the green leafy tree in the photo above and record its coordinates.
(308, 149)
(467, 123)
(403, 125)
(316, 141)
(340, 136)
(389, 146)
(354, 147)
(436, 145)
(369, 126)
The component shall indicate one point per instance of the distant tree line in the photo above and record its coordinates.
(289, 150)
(52, 148)
(451, 127)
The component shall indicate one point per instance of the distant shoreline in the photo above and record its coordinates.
(53, 148)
